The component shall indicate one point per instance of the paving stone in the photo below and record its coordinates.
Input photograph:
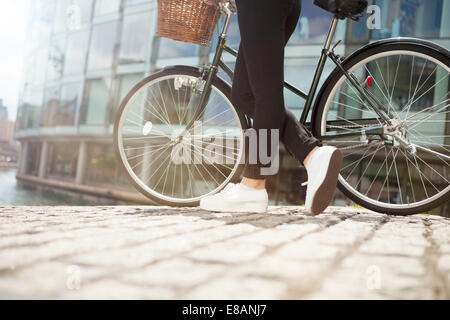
(178, 272)
(306, 249)
(157, 252)
(239, 289)
(358, 284)
(441, 234)
(49, 279)
(288, 270)
(278, 235)
(229, 252)
(115, 290)
(391, 245)
(396, 238)
(444, 263)
(445, 248)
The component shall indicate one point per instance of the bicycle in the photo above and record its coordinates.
(377, 106)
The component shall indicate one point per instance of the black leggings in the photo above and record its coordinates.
(265, 27)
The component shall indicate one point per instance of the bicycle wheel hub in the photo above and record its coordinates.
(396, 127)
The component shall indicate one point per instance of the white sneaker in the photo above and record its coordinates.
(237, 198)
(323, 169)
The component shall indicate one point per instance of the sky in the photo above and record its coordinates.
(13, 22)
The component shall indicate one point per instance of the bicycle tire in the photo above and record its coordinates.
(189, 71)
(383, 46)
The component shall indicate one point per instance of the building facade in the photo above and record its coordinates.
(84, 55)
(3, 110)
(8, 148)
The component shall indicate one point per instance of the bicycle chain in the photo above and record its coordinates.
(356, 146)
(352, 126)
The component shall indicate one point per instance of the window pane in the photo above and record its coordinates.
(313, 25)
(406, 18)
(56, 59)
(169, 48)
(51, 105)
(36, 74)
(106, 7)
(65, 115)
(76, 53)
(135, 38)
(42, 24)
(63, 159)
(102, 46)
(126, 82)
(30, 109)
(33, 158)
(101, 166)
(130, 3)
(233, 36)
(61, 16)
(85, 7)
(96, 101)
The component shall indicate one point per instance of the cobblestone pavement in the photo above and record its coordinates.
(185, 253)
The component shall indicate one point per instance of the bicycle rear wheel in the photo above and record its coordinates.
(165, 163)
(411, 78)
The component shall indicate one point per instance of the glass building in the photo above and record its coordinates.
(83, 56)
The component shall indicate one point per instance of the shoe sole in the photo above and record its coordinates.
(248, 207)
(325, 193)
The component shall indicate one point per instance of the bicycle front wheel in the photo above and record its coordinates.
(165, 162)
(380, 172)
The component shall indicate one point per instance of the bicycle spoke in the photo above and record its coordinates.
(415, 90)
(164, 109)
(427, 117)
(424, 94)
(153, 156)
(387, 176)
(416, 155)
(421, 174)
(405, 83)
(426, 109)
(390, 107)
(367, 167)
(378, 172)
(359, 161)
(429, 139)
(395, 81)
(398, 181)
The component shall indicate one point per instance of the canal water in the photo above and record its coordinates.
(15, 194)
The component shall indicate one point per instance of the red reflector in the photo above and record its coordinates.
(369, 81)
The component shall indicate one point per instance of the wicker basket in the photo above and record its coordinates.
(187, 20)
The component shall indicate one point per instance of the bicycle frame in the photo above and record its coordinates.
(326, 53)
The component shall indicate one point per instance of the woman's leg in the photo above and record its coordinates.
(266, 26)
(265, 30)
